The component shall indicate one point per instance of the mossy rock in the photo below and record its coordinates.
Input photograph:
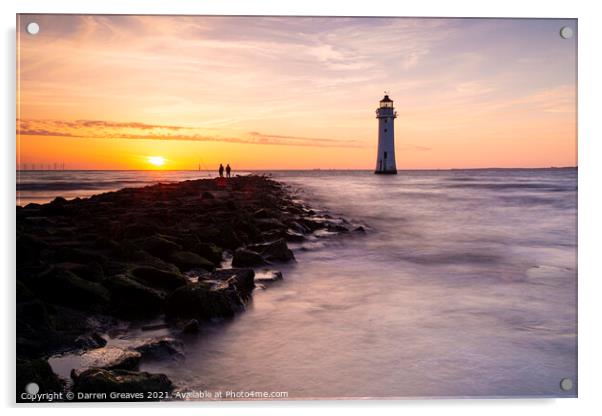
(133, 298)
(187, 260)
(98, 380)
(158, 246)
(246, 258)
(211, 252)
(159, 278)
(221, 297)
(65, 288)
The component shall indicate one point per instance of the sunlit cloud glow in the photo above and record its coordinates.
(287, 92)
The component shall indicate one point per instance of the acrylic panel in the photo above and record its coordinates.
(289, 208)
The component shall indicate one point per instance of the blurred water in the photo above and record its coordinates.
(465, 285)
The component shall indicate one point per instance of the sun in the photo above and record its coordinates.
(156, 160)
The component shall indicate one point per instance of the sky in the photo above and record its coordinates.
(110, 92)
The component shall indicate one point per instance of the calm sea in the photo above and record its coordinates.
(465, 285)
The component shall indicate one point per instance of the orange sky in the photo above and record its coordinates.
(107, 92)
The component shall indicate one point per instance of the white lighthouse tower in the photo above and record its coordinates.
(385, 158)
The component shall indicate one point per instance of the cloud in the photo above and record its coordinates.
(141, 131)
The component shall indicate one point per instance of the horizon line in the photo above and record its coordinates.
(287, 170)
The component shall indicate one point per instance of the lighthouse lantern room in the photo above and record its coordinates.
(385, 158)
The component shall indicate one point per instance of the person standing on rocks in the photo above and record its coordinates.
(228, 170)
(221, 170)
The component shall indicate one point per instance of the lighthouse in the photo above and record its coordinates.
(385, 158)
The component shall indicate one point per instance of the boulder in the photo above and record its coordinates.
(229, 238)
(266, 224)
(246, 258)
(186, 260)
(192, 326)
(208, 299)
(274, 251)
(132, 297)
(160, 349)
(158, 278)
(137, 230)
(157, 245)
(109, 358)
(337, 228)
(241, 278)
(91, 271)
(65, 288)
(90, 341)
(99, 380)
(211, 252)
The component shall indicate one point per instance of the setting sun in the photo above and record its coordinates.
(156, 160)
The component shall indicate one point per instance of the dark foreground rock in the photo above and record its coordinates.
(165, 348)
(218, 295)
(92, 383)
(124, 255)
(36, 371)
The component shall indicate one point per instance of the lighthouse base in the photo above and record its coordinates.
(386, 172)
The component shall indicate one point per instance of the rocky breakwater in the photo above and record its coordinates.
(85, 265)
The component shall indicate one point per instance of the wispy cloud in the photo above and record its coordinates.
(461, 86)
(140, 131)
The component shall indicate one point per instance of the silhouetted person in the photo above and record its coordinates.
(228, 170)
(221, 170)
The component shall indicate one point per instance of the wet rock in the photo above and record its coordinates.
(92, 271)
(157, 246)
(77, 255)
(274, 251)
(211, 252)
(359, 229)
(242, 279)
(310, 224)
(268, 276)
(205, 300)
(98, 380)
(133, 298)
(65, 288)
(158, 278)
(264, 213)
(186, 260)
(138, 230)
(299, 228)
(266, 224)
(337, 228)
(109, 358)
(90, 341)
(161, 349)
(294, 236)
(192, 326)
(229, 238)
(246, 258)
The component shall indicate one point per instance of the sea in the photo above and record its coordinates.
(464, 285)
